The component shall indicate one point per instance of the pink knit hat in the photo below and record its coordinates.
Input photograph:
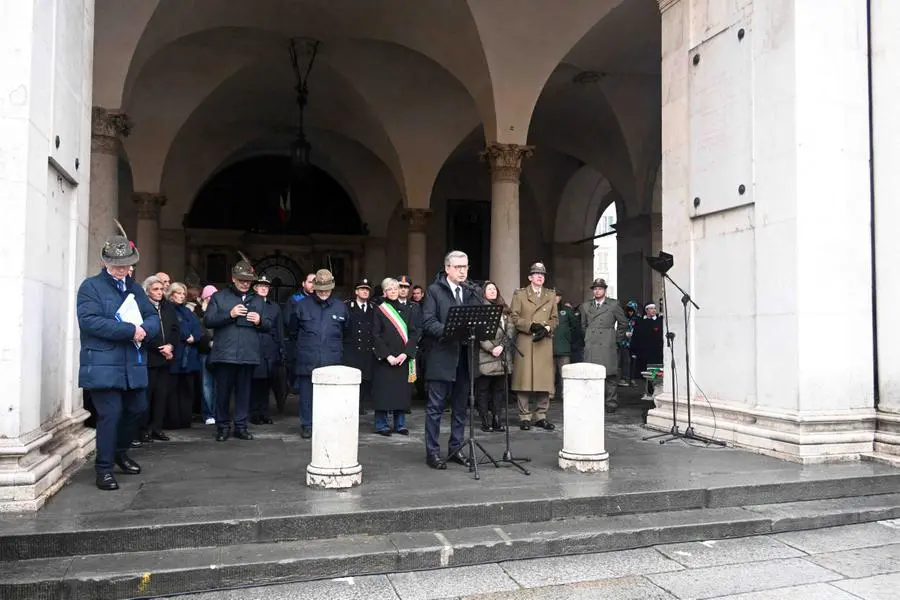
(208, 291)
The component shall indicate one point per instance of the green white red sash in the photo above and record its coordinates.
(400, 325)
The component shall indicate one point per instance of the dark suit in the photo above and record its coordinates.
(447, 372)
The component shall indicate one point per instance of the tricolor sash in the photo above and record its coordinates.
(400, 325)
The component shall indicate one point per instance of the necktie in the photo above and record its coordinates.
(363, 306)
(458, 295)
(121, 285)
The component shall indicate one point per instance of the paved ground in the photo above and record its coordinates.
(842, 563)
(267, 476)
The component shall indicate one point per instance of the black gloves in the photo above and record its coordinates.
(538, 332)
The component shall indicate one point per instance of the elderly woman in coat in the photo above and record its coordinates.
(604, 324)
(185, 367)
(394, 337)
(494, 364)
(534, 314)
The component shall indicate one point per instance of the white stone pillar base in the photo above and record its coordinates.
(335, 438)
(887, 438)
(592, 463)
(807, 438)
(34, 469)
(333, 478)
(584, 418)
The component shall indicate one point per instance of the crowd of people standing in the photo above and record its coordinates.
(223, 354)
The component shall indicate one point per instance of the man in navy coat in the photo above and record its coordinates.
(113, 363)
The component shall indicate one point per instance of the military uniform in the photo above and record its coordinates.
(358, 344)
(563, 341)
(604, 325)
(535, 317)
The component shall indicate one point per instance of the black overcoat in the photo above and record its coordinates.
(443, 355)
(391, 388)
(358, 339)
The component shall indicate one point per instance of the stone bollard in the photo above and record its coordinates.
(584, 442)
(335, 438)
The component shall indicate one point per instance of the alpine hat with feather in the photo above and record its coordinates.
(118, 250)
(243, 269)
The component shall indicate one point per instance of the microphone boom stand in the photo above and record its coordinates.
(689, 430)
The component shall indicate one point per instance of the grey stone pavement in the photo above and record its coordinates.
(841, 563)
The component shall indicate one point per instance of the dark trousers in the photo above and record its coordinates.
(232, 378)
(182, 391)
(119, 413)
(490, 395)
(458, 391)
(305, 392)
(365, 393)
(157, 396)
(559, 361)
(259, 396)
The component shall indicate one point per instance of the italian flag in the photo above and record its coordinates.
(284, 206)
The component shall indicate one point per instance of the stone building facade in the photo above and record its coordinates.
(734, 134)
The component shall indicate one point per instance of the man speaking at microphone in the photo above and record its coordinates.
(447, 372)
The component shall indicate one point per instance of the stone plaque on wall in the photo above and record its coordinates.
(721, 121)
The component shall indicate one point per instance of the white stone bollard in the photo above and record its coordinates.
(584, 416)
(335, 435)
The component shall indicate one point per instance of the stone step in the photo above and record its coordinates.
(154, 573)
(151, 529)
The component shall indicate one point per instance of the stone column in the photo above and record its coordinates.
(147, 234)
(335, 440)
(885, 34)
(505, 161)
(417, 253)
(375, 259)
(107, 130)
(745, 209)
(584, 439)
(656, 234)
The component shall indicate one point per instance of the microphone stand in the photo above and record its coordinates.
(507, 457)
(689, 430)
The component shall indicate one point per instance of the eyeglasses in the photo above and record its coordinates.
(459, 267)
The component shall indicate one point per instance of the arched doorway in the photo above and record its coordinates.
(288, 225)
(255, 196)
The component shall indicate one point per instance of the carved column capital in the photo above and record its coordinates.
(417, 218)
(149, 205)
(665, 5)
(107, 130)
(505, 160)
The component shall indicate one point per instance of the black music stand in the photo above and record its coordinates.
(472, 324)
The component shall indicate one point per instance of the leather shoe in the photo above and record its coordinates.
(221, 435)
(435, 463)
(265, 421)
(106, 482)
(306, 432)
(545, 424)
(145, 437)
(136, 444)
(243, 434)
(127, 465)
(525, 425)
(159, 435)
(403, 431)
(498, 424)
(255, 420)
(456, 458)
(384, 432)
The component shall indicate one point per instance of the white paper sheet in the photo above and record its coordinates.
(129, 312)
